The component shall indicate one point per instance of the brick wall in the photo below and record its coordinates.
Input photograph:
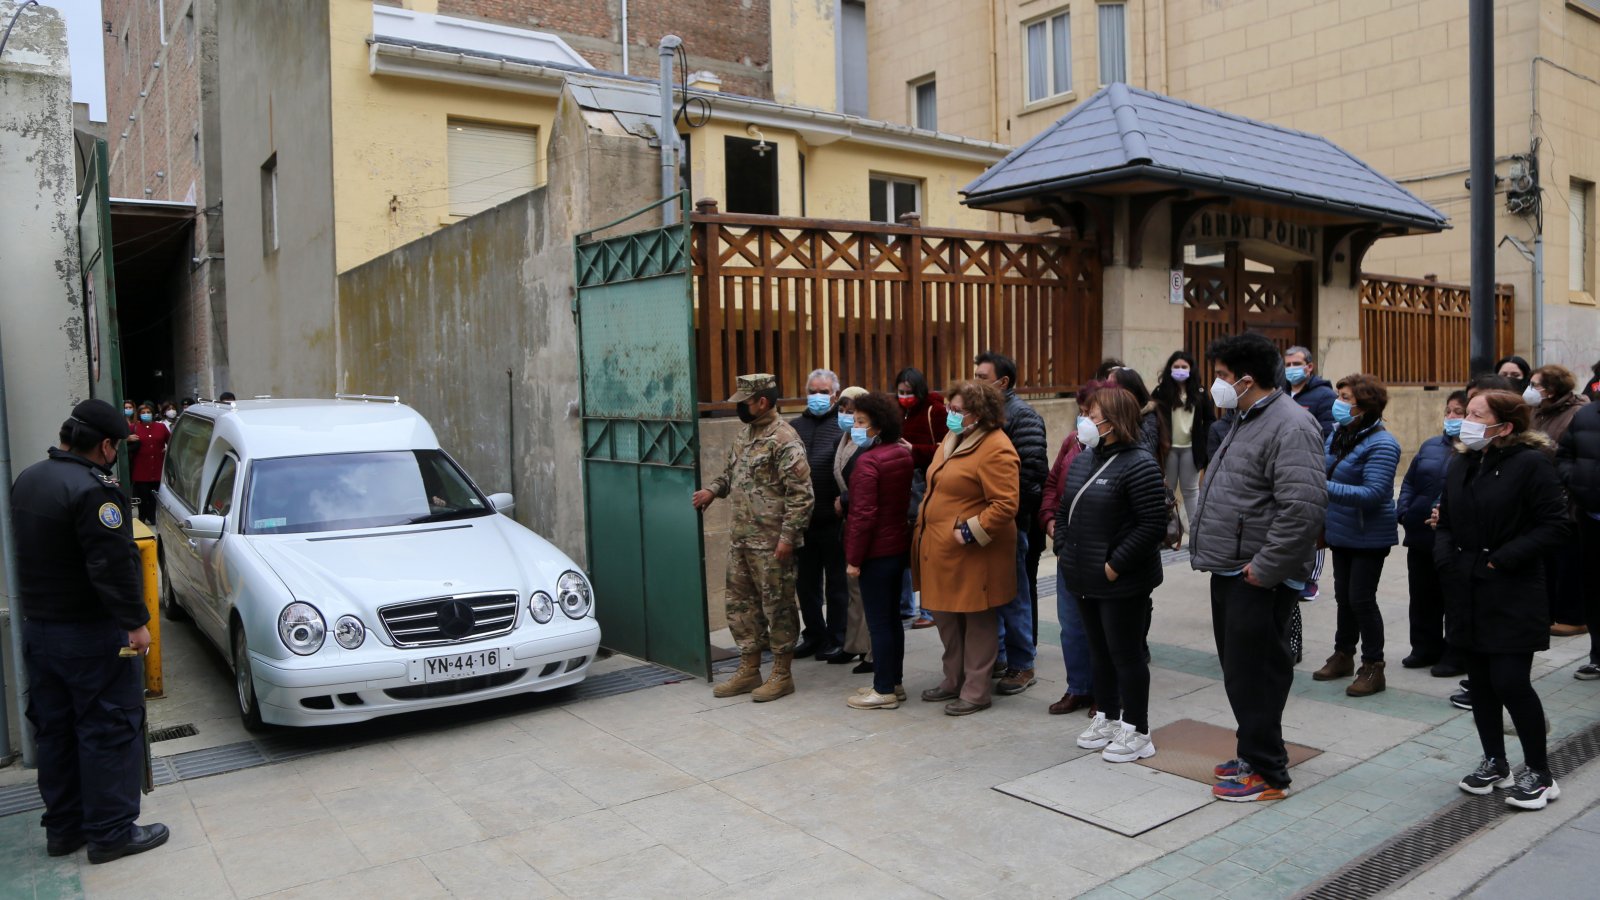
(161, 137)
(729, 37)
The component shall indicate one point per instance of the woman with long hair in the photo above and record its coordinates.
(924, 428)
(1186, 411)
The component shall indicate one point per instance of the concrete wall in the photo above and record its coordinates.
(274, 99)
(41, 308)
(473, 324)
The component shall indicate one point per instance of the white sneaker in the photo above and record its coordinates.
(1099, 733)
(873, 700)
(1128, 746)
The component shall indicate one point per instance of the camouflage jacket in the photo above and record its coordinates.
(770, 482)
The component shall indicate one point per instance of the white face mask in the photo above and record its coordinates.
(1088, 433)
(1473, 436)
(172, 414)
(1225, 395)
(1531, 396)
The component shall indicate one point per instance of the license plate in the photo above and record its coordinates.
(460, 665)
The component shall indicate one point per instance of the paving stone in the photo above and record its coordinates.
(1224, 875)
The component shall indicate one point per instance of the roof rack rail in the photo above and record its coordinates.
(207, 401)
(262, 397)
(369, 398)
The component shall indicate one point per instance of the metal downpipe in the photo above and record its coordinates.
(667, 130)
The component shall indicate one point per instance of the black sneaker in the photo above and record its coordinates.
(1533, 790)
(1462, 699)
(1491, 773)
(1587, 672)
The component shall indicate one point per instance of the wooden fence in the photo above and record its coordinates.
(1418, 331)
(865, 299)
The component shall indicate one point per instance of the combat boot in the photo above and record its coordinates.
(1339, 665)
(747, 679)
(780, 684)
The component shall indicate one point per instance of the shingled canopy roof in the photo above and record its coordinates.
(1126, 140)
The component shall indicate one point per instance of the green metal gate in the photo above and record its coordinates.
(100, 287)
(641, 442)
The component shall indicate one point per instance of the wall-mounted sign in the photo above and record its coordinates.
(1213, 226)
(1175, 287)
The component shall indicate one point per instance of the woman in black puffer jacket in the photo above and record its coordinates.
(1109, 524)
(1502, 512)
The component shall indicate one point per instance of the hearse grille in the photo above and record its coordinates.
(450, 620)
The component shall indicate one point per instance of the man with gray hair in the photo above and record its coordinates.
(821, 575)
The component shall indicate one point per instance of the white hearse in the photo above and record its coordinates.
(348, 568)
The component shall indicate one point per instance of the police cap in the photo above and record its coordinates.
(101, 417)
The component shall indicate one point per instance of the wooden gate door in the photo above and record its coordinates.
(1231, 299)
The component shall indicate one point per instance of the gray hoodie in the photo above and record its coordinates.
(1265, 495)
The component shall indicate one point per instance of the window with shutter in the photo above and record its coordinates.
(489, 164)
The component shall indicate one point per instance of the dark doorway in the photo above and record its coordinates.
(152, 258)
(751, 172)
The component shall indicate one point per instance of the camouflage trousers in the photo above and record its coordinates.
(762, 611)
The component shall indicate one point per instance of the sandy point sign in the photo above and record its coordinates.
(1212, 227)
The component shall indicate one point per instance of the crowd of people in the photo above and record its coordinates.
(873, 512)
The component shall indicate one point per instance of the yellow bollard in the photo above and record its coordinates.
(149, 564)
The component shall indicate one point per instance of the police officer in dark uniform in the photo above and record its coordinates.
(82, 602)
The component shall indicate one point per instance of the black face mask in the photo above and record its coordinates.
(745, 415)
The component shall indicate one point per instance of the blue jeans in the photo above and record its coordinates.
(1074, 639)
(1016, 617)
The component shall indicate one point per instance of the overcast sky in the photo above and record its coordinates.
(86, 47)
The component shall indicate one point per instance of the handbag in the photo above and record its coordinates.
(1175, 530)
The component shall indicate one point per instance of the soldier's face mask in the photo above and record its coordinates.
(745, 415)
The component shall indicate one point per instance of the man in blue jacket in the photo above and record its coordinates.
(1316, 396)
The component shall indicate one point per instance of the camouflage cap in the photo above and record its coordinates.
(751, 385)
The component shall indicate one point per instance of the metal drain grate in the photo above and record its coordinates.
(1411, 851)
(173, 733)
(287, 745)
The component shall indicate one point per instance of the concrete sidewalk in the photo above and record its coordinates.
(668, 792)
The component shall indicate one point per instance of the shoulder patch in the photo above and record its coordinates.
(110, 515)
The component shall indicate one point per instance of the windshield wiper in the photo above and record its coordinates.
(463, 513)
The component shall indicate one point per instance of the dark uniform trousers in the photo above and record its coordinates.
(86, 705)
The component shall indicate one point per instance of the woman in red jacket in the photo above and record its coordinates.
(924, 429)
(149, 440)
(877, 540)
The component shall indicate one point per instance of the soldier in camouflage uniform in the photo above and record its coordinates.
(770, 483)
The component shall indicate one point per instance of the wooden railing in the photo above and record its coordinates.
(1418, 331)
(867, 299)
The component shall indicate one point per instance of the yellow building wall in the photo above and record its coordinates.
(910, 40)
(804, 42)
(837, 175)
(391, 183)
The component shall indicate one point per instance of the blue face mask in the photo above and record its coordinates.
(819, 403)
(1342, 412)
(846, 420)
(1452, 427)
(1295, 374)
(860, 436)
(955, 421)
(146, 417)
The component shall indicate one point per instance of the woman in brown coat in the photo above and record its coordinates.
(964, 547)
(1554, 387)
(1557, 401)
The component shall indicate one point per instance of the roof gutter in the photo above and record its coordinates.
(1189, 180)
(818, 127)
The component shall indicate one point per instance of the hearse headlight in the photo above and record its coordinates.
(575, 596)
(302, 629)
(542, 608)
(349, 632)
